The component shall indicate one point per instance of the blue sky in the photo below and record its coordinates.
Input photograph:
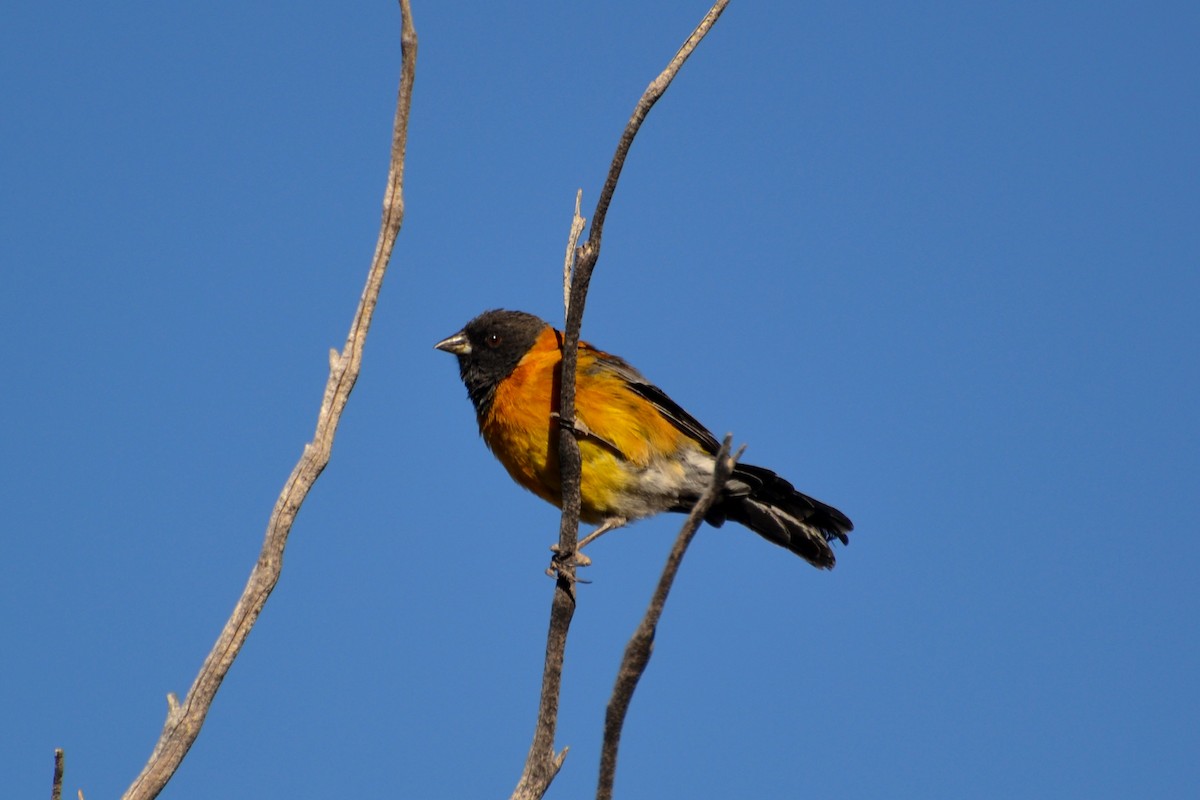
(935, 263)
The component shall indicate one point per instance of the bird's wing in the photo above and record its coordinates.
(668, 408)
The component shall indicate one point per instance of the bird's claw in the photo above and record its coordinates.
(578, 557)
(561, 559)
(582, 431)
(578, 426)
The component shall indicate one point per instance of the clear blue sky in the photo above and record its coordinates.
(937, 263)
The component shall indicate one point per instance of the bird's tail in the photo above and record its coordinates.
(771, 507)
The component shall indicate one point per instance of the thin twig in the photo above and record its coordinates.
(641, 644)
(185, 719)
(653, 92)
(542, 764)
(56, 787)
(577, 223)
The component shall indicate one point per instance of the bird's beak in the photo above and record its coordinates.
(458, 344)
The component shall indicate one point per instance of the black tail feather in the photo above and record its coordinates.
(772, 508)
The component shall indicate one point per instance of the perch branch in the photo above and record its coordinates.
(185, 719)
(542, 764)
(641, 644)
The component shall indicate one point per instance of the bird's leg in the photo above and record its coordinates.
(612, 523)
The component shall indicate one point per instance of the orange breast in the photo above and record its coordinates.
(519, 428)
(629, 432)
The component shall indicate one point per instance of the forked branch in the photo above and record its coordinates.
(542, 763)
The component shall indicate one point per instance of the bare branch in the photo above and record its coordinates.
(56, 787)
(577, 223)
(654, 91)
(641, 644)
(185, 719)
(542, 764)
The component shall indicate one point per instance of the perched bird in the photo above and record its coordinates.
(641, 453)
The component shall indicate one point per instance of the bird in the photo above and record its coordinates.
(641, 453)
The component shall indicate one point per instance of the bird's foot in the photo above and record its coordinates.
(560, 560)
(578, 559)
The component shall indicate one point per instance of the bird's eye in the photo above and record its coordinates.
(493, 340)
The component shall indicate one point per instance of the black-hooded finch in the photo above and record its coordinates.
(641, 453)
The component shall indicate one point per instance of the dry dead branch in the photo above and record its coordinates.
(542, 764)
(184, 719)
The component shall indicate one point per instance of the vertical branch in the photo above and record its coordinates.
(542, 764)
(185, 719)
(641, 644)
